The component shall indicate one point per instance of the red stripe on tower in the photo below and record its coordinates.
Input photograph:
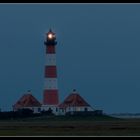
(50, 49)
(51, 97)
(50, 72)
(51, 90)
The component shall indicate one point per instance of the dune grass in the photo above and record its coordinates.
(70, 126)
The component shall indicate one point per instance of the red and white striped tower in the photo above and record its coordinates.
(51, 90)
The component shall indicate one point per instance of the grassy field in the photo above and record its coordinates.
(70, 126)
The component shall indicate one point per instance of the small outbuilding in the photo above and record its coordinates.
(28, 101)
(74, 103)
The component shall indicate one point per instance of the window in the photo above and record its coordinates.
(56, 109)
(39, 109)
(86, 109)
(62, 110)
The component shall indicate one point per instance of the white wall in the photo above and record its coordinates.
(68, 109)
(58, 111)
(34, 109)
(54, 108)
(72, 109)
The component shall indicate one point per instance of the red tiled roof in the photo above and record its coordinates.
(27, 100)
(74, 99)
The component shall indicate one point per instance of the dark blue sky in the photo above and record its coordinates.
(98, 52)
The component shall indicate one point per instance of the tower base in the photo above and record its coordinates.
(50, 97)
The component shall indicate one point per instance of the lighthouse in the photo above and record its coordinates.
(73, 104)
(50, 93)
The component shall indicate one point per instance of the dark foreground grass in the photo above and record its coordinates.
(70, 126)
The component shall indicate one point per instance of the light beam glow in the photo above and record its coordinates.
(50, 36)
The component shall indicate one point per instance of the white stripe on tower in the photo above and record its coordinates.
(51, 89)
(51, 83)
(51, 59)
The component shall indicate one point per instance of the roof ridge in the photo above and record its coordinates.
(74, 99)
(27, 100)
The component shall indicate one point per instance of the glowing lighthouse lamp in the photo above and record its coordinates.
(50, 36)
